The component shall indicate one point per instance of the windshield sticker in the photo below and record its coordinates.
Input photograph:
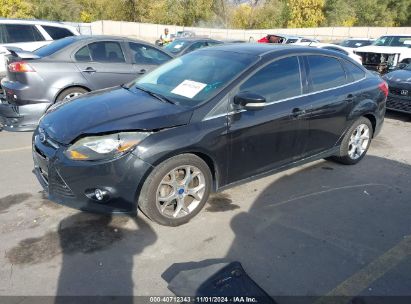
(178, 46)
(189, 88)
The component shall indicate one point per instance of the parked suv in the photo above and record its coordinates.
(29, 35)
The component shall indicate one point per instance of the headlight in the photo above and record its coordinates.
(105, 146)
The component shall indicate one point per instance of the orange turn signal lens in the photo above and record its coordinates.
(77, 155)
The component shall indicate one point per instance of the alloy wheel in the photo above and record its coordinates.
(71, 95)
(359, 141)
(180, 191)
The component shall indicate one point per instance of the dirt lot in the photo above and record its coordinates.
(319, 229)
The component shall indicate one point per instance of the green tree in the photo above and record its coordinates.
(271, 14)
(57, 10)
(241, 17)
(373, 13)
(15, 9)
(401, 12)
(339, 13)
(305, 13)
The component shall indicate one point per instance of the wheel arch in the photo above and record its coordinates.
(69, 87)
(201, 154)
(371, 117)
(206, 157)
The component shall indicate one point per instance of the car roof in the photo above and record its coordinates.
(352, 38)
(105, 37)
(195, 38)
(257, 49)
(287, 36)
(396, 35)
(32, 21)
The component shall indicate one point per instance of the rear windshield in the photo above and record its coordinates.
(355, 43)
(177, 45)
(54, 47)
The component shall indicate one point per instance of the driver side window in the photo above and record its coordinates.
(278, 80)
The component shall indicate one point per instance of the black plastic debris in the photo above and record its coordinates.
(217, 280)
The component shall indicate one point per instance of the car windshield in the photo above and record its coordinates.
(176, 46)
(392, 41)
(54, 47)
(355, 43)
(196, 77)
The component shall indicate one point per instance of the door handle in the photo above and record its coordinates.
(350, 98)
(296, 112)
(142, 71)
(89, 70)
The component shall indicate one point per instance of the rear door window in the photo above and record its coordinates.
(106, 51)
(278, 80)
(57, 32)
(83, 55)
(15, 33)
(325, 72)
(356, 72)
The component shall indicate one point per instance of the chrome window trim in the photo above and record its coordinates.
(286, 99)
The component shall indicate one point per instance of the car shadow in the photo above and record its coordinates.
(317, 230)
(108, 271)
(97, 253)
(398, 116)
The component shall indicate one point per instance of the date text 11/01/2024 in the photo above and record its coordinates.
(238, 299)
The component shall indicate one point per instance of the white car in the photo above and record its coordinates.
(386, 53)
(29, 35)
(336, 48)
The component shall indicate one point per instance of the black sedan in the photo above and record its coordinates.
(203, 122)
(181, 46)
(399, 82)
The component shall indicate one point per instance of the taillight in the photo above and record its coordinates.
(20, 67)
(383, 86)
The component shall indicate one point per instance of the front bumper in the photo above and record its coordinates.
(72, 183)
(399, 103)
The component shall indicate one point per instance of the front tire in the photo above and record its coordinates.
(176, 190)
(355, 143)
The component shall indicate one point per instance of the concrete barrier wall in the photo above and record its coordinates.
(83, 28)
(151, 32)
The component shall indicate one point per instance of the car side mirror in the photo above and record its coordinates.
(250, 101)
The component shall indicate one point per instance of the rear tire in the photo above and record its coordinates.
(355, 143)
(70, 93)
(176, 190)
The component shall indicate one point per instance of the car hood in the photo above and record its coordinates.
(116, 109)
(403, 76)
(382, 49)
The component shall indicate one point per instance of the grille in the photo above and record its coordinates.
(396, 91)
(399, 104)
